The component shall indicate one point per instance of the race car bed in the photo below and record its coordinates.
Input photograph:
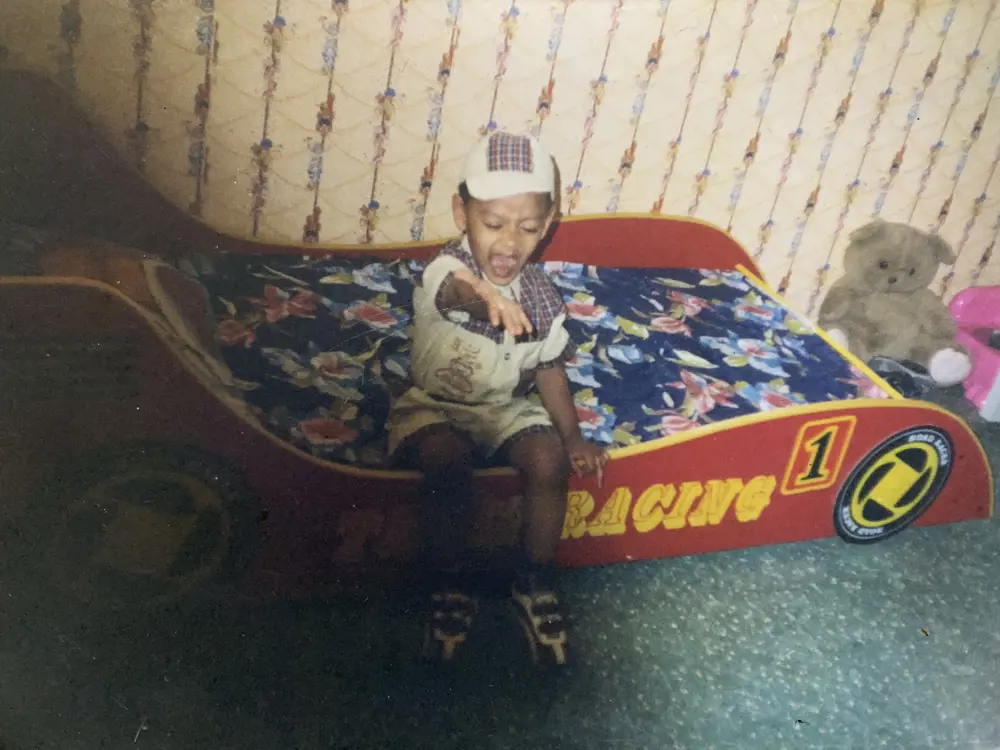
(261, 393)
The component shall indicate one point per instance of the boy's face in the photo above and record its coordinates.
(503, 233)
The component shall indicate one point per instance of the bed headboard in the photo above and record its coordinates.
(620, 241)
(639, 241)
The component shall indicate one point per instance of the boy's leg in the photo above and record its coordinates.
(541, 460)
(445, 456)
(540, 457)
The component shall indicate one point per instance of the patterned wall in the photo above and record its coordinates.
(790, 122)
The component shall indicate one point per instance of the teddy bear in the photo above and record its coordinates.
(882, 306)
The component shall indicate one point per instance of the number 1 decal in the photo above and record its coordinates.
(819, 451)
(819, 448)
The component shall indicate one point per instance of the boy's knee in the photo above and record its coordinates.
(443, 450)
(555, 464)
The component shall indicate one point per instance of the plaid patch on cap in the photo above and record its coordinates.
(509, 153)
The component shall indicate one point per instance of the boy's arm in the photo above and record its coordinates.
(459, 292)
(553, 387)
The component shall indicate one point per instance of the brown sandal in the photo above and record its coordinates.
(448, 628)
(544, 625)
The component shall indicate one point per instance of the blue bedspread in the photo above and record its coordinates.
(319, 347)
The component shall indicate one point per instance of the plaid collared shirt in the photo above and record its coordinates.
(547, 346)
(539, 299)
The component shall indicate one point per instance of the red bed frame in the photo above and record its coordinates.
(774, 477)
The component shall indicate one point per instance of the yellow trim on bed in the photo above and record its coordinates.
(790, 412)
(658, 217)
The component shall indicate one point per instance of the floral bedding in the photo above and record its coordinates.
(319, 348)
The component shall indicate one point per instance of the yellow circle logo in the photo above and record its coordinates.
(893, 485)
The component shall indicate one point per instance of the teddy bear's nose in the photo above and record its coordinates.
(892, 279)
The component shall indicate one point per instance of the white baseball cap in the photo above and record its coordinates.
(503, 164)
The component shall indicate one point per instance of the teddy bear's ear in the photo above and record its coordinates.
(942, 250)
(868, 232)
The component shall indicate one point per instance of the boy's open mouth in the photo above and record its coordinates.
(503, 266)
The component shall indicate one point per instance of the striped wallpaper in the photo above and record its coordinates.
(789, 122)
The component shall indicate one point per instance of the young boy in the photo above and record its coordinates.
(487, 329)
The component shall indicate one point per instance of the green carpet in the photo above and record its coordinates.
(814, 645)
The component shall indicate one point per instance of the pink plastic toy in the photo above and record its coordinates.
(977, 312)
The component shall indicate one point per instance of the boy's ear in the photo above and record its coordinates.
(458, 212)
(557, 199)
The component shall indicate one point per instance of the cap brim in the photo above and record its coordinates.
(496, 185)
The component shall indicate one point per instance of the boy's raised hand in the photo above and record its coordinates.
(508, 314)
(503, 312)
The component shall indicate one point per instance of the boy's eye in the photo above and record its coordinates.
(530, 230)
(493, 226)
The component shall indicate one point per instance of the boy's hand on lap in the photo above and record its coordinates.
(587, 458)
